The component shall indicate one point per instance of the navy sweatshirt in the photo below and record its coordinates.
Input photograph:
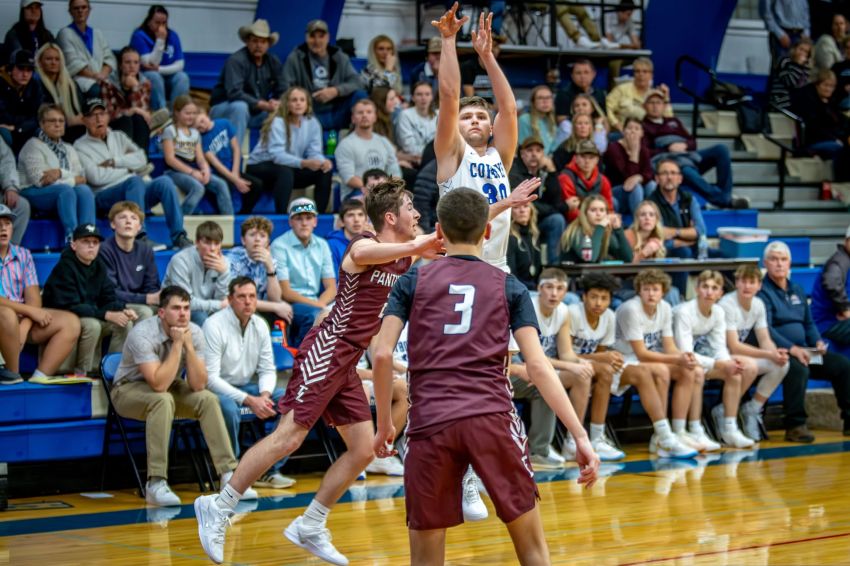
(788, 315)
(134, 274)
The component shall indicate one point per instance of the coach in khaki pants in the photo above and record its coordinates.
(149, 387)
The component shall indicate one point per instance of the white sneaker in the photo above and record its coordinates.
(569, 450)
(274, 480)
(698, 433)
(390, 466)
(690, 441)
(212, 526)
(718, 414)
(670, 447)
(606, 451)
(158, 493)
(735, 439)
(314, 541)
(607, 44)
(554, 456)
(249, 494)
(546, 463)
(473, 508)
(753, 423)
(586, 43)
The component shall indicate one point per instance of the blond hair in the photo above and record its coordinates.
(532, 227)
(710, 275)
(283, 112)
(64, 89)
(656, 232)
(582, 224)
(652, 277)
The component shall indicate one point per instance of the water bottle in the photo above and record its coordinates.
(331, 145)
(586, 249)
(702, 247)
(282, 357)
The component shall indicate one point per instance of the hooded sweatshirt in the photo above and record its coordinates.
(85, 290)
(338, 243)
(574, 184)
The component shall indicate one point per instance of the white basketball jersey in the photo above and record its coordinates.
(487, 175)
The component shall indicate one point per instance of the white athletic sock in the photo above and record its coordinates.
(694, 425)
(678, 425)
(730, 423)
(316, 515)
(229, 497)
(596, 431)
(39, 373)
(755, 403)
(662, 428)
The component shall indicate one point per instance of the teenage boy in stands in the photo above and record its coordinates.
(22, 317)
(203, 271)
(79, 283)
(700, 328)
(352, 213)
(746, 320)
(239, 347)
(223, 151)
(130, 263)
(645, 335)
(253, 259)
(575, 374)
(593, 328)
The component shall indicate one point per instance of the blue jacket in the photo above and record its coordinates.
(789, 317)
(830, 295)
(338, 243)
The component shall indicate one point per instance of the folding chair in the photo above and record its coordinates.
(185, 429)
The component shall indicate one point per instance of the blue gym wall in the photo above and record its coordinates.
(290, 17)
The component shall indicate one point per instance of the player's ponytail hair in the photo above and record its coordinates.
(383, 198)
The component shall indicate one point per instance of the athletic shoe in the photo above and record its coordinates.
(183, 241)
(158, 493)
(568, 451)
(587, 43)
(799, 434)
(473, 508)
(316, 541)
(9, 377)
(670, 447)
(155, 246)
(274, 480)
(539, 462)
(250, 493)
(718, 414)
(753, 423)
(389, 466)
(735, 439)
(606, 451)
(708, 444)
(212, 526)
(606, 44)
(740, 203)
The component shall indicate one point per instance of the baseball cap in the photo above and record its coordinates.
(654, 92)
(435, 45)
(92, 104)
(587, 147)
(317, 25)
(23, 59)
(86, 231)
(6, 212)
(25, 3)
(301, 205)
(530, 141)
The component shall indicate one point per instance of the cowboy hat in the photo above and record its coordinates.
(260, 28)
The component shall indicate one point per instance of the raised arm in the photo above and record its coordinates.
(448, 144)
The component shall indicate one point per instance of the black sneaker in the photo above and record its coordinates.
(157, 247)
(183, 241)
(8, 377)
(740, 203)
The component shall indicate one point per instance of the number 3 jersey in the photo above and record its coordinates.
(486, 174)
(460, 311)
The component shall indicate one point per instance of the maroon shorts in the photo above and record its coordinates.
(495, 445)
(325, 383)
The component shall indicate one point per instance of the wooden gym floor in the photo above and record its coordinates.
(782, 504)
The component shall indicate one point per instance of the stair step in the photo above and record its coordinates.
(822, 249)
(809, 205)
(771, 192)
(831, 221)
(729, 142)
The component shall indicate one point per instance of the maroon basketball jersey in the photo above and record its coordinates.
(458, 344)
(355, 316)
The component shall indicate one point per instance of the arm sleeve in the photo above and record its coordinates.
(172, 68)
(627, 320)
(393, 167)
(155, 56)
(349, 80)
(107, 299)
(619, 247)
(519, 304)
(8, 171)
(345, 159)
(328, 271)
(314, 143)
(667, 320)
(74, 60)
(234, 82)
(282, 265)
(610, 328)
(32, 164)
(129, 155)
(108, 55)
(405, 133)
(766, 12)
(683, 334)
(717, 338)
(266, 369)
(812, 334)
(214, 343)
(279, 148)
(778, 338)
(834, 281)
(400, 300)
(696, 214)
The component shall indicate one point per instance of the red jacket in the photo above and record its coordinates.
(596, 184)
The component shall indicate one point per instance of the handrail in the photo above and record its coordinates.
(785, 149)
(697, 98)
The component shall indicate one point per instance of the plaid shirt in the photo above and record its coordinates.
(17, 272)
(119, 102)
(241, 264)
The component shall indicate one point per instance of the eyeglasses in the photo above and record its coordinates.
(669, 173)
(54, 120)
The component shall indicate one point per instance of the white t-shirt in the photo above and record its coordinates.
(587, 339)
(184, 143)
(704, 336)
(634, 324)
(487, 175)
(550, 326)
(742, 321)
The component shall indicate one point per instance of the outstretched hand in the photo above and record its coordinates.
(482, 39)
(588, 463)
(383, 443)
(525, 192)
(448, 24)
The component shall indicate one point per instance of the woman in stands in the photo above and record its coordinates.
(523, 250)
(827, 128)
(581, 128)
(417, 125)
(29, 32)
(187, 166)
(791, 74)
(540, 120)
(382, 67)
(60, 89)
(87, 53)
(628, 167)
(596, 235)
(289, 155)
(162, 57)
(646, 234)
(52, 175)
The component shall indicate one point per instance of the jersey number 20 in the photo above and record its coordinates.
(464, 307)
